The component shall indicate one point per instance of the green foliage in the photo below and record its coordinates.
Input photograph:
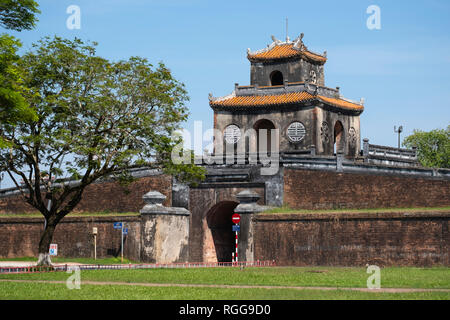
(13, 106)
(18, 14)
(95, 118)
(433, 148)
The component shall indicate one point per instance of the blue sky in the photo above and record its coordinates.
(402, 70)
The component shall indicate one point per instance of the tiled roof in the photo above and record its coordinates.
(341, 103)
(282, 99)
(283, 51)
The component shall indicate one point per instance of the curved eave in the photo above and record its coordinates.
(323, 102)
(286, 56)
(338, 108)
(299, 57)
(341, 104)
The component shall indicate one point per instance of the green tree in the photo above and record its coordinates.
(433, 147)
(18, 14)
(13, 106)
(96, 118)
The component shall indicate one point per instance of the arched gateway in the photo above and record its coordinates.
(219, 241)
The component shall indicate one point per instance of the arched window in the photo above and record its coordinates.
(338, 137)
(264, 129)
(276, 78)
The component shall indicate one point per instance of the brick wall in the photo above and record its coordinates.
(309, 189)
(19, 237)
(105, 196)
(419, 239)
(201, 201)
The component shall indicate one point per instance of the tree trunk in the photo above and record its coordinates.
(44, 245)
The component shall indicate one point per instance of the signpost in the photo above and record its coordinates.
(121, 237)
(94, 232)
(53, 249)
(123, 231)
(236, 218)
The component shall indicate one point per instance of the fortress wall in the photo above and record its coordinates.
(357, 239)
(73, 235)
(104, 196)
(314, 189)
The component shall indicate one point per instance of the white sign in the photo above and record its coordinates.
(53, 249)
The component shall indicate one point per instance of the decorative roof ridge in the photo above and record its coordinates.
(361, 101)
(297, 44)
(218, 99)
(340, 98)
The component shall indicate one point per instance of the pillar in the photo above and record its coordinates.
(164, 231)
(247, 208)
(366, 149)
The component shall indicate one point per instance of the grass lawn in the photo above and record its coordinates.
(13, 290)
(272, 276)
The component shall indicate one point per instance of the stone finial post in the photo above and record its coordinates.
(247, 201)
(153, 203)
(365, 148)
(339, 161)
(414, 149)
(164, 231)
(247, 208)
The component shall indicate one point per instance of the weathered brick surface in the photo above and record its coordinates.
(309, 189)
(19, 237)
(105, 196)
(420, 239)
(201, 201)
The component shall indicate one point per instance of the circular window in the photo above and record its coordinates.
(296, 131)
(232, 134)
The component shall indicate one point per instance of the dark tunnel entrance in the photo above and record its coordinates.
(219, 223)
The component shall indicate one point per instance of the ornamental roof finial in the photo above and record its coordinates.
(275, 40)
(298, 43)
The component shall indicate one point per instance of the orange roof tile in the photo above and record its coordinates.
(266, 100)
(283, 51)
(341, 103)
(281, 99)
